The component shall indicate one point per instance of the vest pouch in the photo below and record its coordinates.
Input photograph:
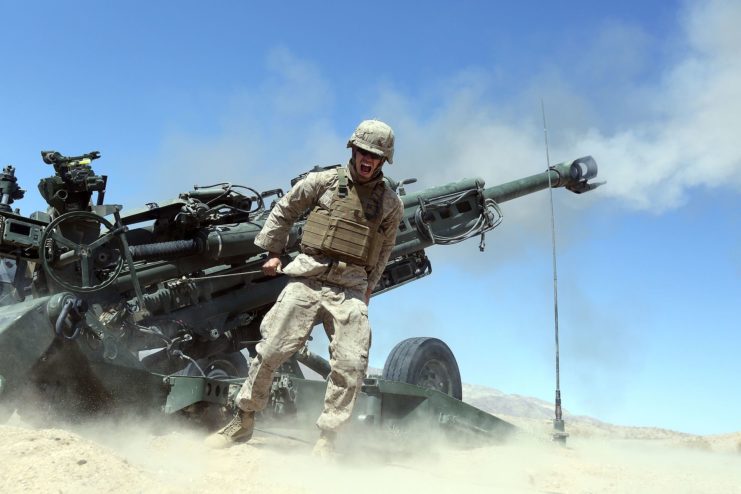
(347, 241)
(315, 229)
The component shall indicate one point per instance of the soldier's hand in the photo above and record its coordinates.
(272, 265)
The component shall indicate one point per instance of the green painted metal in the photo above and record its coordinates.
(184, 391)
(190, 294)
(25, 334)
(381, 405)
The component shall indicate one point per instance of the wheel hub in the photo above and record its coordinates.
(434, 375)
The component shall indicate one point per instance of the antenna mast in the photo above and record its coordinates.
(559, 430)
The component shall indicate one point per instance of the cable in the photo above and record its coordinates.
(228, 189)
(180, 354)
(284, 436)
(154, 331)
(491, 216)
(217, 276)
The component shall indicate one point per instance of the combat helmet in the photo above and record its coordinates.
(374, 136)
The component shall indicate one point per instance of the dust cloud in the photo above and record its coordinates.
(131, 457)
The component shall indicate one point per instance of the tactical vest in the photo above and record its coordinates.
(349, 231)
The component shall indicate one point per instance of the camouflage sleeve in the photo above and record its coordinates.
(389, 227)
(274, 234)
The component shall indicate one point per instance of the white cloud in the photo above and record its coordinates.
(691, 141)
(680, 132)
(684, 135)
(265, 133)
(295, 87)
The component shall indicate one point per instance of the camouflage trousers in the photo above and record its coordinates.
(302, 304)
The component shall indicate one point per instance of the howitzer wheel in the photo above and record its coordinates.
(222, 366)
(426, 362)
(104, 255)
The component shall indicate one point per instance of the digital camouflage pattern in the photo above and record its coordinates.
(301, 305)
(323, 291)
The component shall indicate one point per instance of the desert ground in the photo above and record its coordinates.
(131, 456)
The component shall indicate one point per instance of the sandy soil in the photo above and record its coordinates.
(130, 458)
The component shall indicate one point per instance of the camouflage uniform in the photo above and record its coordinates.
(322, 290)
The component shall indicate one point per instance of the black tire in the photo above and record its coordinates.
(425, 362)
(224, 366)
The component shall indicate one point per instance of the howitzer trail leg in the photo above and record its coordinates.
(346, 322)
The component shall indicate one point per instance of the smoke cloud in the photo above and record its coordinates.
(656, 137)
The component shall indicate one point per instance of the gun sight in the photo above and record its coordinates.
(56, 158)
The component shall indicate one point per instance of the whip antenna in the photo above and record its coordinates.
(559, 430)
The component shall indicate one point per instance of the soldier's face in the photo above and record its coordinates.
(366, 163)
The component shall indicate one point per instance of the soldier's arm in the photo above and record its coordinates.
(389, 227)
(274, 234)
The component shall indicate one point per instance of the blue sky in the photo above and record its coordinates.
(179, 93)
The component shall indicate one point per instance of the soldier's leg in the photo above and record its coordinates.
(350, 337)
(285, 329)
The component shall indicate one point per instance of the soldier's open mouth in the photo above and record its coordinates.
(365, 168)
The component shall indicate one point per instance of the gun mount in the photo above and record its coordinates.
(152, 308)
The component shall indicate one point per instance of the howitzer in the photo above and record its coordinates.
(152, 308)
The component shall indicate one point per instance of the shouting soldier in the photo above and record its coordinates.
(346, 243)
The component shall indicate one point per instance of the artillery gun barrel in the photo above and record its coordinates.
(573, 175)
(446, 210)
(454, 208)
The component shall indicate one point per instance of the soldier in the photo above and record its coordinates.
(346, 243)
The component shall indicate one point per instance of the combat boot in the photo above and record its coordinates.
(325, 445)
(238, 430)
